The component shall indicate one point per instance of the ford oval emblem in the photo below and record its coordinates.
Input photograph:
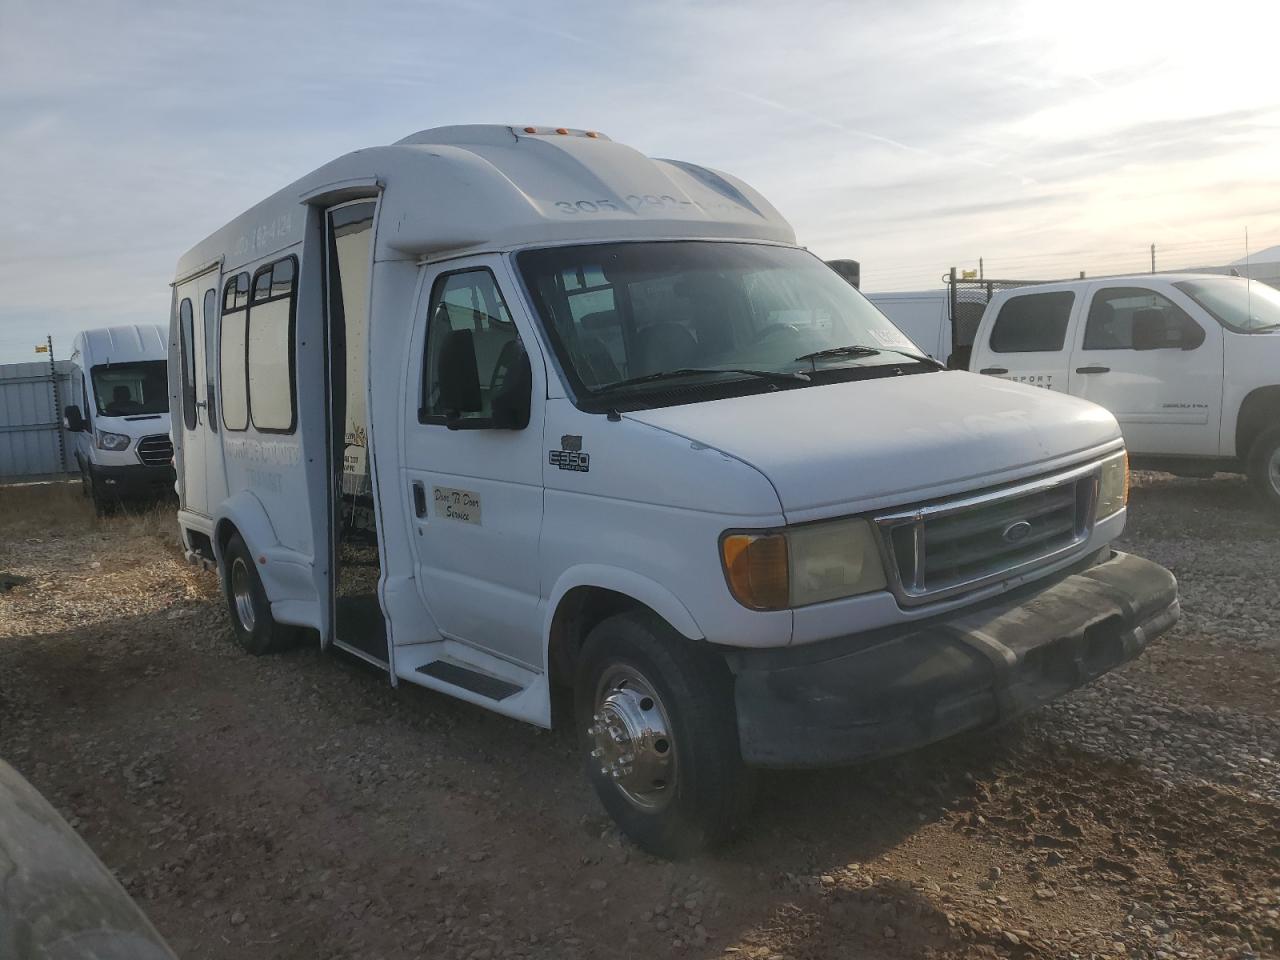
(1016, 531)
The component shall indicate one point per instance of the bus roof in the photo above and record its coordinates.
(464, 189)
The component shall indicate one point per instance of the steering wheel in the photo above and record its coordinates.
(773, 329)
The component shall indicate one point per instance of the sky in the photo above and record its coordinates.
(1044, 138)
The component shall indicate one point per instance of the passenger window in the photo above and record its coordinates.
(186, 336)
(1115, 309)
(1033, 323)
(209, 314)
(468, 303)
(231, 353)
(270, 348)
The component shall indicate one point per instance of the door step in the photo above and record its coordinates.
(490, 687)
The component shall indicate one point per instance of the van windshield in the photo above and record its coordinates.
(643, 319)
(126, 389)
(1244, 306)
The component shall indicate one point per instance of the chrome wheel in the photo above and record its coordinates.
(242, 594)
(631, 738)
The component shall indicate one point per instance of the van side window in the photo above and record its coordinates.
(232, 338)
(468, 301)
(1033, 323)
(1113, 311)
(209, 314)
(270, 348)
(185, 338)
(84, 394)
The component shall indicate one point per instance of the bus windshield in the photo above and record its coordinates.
(127, 389)
(642, 318)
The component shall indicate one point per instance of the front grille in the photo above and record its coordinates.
(155, 451)
(942, 549)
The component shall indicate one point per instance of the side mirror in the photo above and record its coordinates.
(459, 378)
(512, 399)
(73, 419)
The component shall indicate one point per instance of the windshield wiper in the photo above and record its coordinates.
(773, 376)
(861, 350)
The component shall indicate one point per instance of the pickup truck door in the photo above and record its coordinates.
(1153, 359)
(474, 490)
(1025, 338)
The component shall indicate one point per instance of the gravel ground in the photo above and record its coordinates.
(297, 807)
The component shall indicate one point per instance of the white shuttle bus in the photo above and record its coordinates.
(118, 414)
(505, 410)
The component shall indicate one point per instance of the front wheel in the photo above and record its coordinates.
(251, 621)
(658, 731)
(1264, 467)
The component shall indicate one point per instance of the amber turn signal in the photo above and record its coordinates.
(755, 566)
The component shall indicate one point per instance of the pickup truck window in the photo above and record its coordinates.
(1114, 309)
(1241, 305)
(660, 321)
(1033, 323)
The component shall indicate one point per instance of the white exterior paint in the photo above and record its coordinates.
(1169, 402)
(664, 484)
(102, 347)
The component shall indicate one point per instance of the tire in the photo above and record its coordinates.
(256, 631)
(681, 785)
(104, 504)
(1264, 467)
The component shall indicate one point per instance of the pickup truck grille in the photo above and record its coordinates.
(942, 549)
(156, 450)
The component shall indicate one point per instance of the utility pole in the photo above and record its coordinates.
(57, 401)
(1153, 258)
(981, 275)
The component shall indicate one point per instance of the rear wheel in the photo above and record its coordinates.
(251, 621)
(659, 736)
(1264, 467)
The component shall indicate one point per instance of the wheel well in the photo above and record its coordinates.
(1260, 410)
(578, 613)
(222, 534)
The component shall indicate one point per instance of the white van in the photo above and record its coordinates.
(511, 409)
(1188, 363)
(119, 413)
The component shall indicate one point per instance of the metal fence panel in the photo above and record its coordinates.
(32, 441)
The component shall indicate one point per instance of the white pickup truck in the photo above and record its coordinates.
(1188, 363)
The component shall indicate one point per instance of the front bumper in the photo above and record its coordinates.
(134, 480)
(883, 692)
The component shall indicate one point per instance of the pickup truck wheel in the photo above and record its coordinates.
(658, 732)
(1264, 466)
(251, 621)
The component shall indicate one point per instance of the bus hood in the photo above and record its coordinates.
(871, 444)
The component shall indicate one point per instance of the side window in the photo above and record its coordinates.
(231, 346)
(209, 314)
(467, 305)
(187, 345)
(1033, 323)
(270, 348)
(1114, 311)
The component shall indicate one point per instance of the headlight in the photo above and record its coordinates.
(112, 441)
(1113, 488)
(801, 565)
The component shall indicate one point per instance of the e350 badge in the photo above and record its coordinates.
(570, 456)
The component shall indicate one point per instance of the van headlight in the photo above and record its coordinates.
(1113, 486)
(112, 441)
(797, 566)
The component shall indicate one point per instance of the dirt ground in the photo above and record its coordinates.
(298, 807)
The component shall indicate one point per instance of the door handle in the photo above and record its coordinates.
(1093, 369)
(989, 371)
(419, 498)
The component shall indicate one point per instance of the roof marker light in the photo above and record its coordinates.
(530, 129)
(592, 134)
(561, 130)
